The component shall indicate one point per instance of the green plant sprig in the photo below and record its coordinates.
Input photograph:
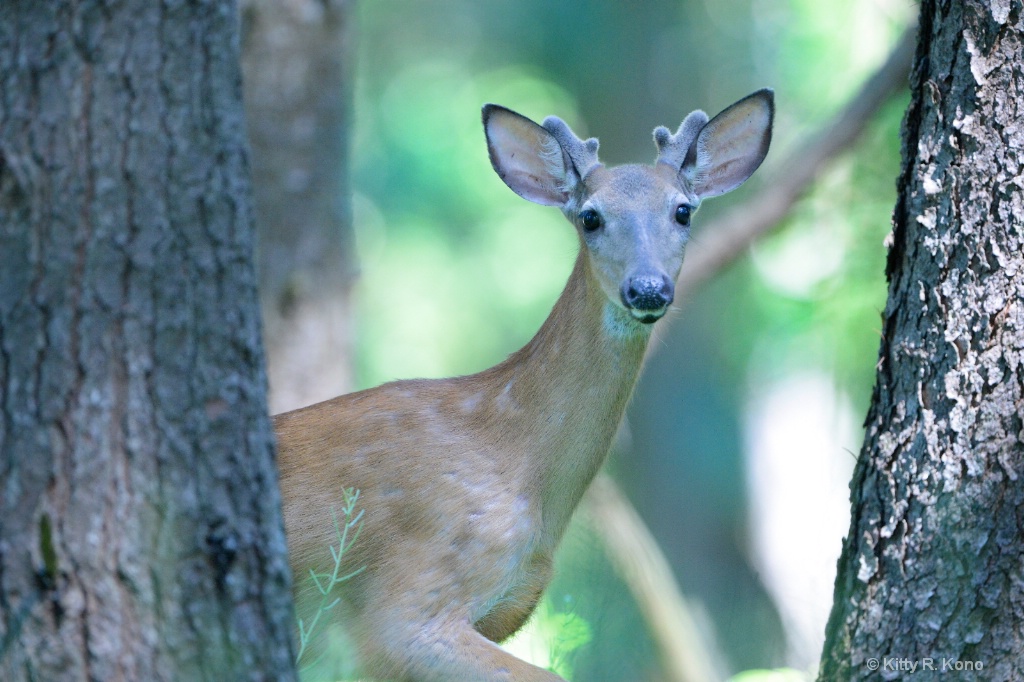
(326, 582)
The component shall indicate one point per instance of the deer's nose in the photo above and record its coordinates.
(647, 296)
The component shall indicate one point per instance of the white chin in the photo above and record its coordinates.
(647, 316)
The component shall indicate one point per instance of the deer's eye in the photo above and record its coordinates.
(683, 214)
(590, 219)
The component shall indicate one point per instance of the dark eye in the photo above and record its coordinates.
(683, 214)
(590, 220)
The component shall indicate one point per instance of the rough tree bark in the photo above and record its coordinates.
(140, 527)
(297, 60)
(931, 576)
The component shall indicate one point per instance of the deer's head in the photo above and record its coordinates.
(633, 220)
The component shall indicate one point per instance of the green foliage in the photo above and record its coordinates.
(327, 582)
(778, 675)
(458, 247)
(814, 290)
(550, 638)
(821, 50)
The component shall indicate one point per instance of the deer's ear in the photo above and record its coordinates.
(527, 157)
(730, 147)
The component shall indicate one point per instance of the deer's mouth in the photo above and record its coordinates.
(647, 316)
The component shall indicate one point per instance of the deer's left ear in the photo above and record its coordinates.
(731, 146)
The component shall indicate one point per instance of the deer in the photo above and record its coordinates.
(468, 483)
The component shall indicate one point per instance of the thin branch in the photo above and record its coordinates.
(640, 563)
(727, 237)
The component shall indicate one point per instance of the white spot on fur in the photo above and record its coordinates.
(471, 402)
(505, 402)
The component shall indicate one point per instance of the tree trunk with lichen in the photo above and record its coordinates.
(931, 579)
(140, 526)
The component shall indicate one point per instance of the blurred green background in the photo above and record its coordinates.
(743, 429)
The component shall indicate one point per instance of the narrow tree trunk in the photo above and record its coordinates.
(140, 527)
(297, 59)
(931, 576)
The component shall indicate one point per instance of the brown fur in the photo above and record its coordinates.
(460, 529)
(469, 483)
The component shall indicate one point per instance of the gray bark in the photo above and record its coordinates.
(140, 527)
(931, 573)
(297, 61)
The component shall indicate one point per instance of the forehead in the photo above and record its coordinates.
(632, 181)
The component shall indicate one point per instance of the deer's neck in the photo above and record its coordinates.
(559, 400)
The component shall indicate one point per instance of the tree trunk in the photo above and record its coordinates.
(140, 526)
(297, 61)
(931, 578)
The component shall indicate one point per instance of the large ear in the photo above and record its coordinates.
(539, 163)
(730, 147)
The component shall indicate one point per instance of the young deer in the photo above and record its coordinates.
(468, 483)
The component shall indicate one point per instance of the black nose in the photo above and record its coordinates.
(648, 292)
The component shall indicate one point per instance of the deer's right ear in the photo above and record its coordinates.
(527, 157)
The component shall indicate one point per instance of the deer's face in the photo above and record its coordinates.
(634, 222)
